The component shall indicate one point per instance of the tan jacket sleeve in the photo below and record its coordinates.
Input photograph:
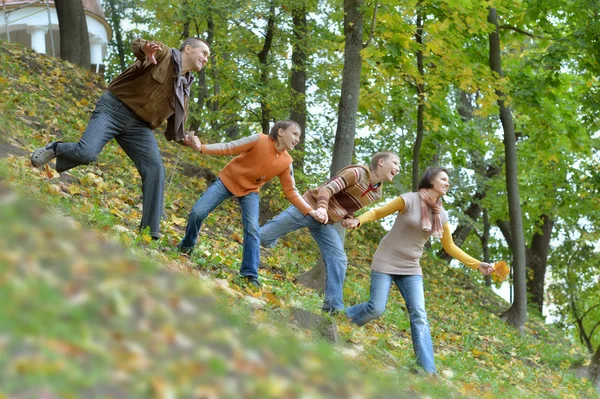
(136, 48)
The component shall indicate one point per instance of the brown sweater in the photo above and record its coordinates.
(400, 251)
(148, 89)
(258, 163)
(346, 193)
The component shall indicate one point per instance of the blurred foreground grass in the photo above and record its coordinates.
(82, 317)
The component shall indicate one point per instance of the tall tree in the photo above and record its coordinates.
(74, 37)
(298, 108)
(343, 147)
(517, 313)
(263, 56)
(113, 14)
(420, 86)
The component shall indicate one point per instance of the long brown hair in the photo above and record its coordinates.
(429, 175)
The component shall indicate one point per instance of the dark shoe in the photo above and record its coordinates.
(253, 280)
(43, 155)
(185, 250)
(332, 312)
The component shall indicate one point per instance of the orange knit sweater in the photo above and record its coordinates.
(257, 163)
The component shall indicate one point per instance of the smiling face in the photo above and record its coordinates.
(388, 168)
(288, 138)
(440, 183)
(194, 58)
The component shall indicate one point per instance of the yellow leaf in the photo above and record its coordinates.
(237, 237)
(501, 270)
(146, 237)
(179, 221)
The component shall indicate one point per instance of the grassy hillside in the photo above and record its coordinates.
(91, 308)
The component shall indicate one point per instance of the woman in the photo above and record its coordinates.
(420, 215)
(261, 158)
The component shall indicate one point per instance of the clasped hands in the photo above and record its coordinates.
(320, 215)
(191, 140)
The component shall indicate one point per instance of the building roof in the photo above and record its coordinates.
(91, 6)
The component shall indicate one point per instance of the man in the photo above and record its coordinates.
(154, 89)
(353, 187)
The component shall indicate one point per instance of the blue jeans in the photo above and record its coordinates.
(411, 288)
(213, 196)
(112, 119)
(329, 242)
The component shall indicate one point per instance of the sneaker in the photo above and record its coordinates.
(332, 312)
(253, 280)
(43, 155)
(185, 250)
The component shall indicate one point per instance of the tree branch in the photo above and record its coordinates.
(519, 30)
(589, 310)
(373, 23)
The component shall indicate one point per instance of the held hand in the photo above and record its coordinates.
(485, 268)
(320, 215)
(322, 212)
(150, 49)
(193, 141)
(350, 223)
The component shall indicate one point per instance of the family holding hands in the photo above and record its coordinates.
(156, 88)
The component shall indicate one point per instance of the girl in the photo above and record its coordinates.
(261, 158)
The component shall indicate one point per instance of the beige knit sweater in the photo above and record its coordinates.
(401, 249)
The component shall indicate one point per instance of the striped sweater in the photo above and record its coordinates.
(346, 193)
(257, 163)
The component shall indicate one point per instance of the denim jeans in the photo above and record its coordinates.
(213, 196)
(112, 119)
(329, 242)
(411, 288)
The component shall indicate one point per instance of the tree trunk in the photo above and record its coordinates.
(537, 259)
(485, 243)
(517, 313)
(298, 80)
(420, 99)
(114, 15)
(343, 147)
(594, 369)
(74, 37)
(264, 69)
(202, 85)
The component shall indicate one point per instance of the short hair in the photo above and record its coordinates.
(193, 41)
(429, 175)
(381, 155)
(274, 133)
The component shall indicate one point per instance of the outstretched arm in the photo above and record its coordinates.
(288, 184)
(232, 148)
(396, 205)
(458, 254)
(149, 52)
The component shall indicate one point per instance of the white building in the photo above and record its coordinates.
(34, 23)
